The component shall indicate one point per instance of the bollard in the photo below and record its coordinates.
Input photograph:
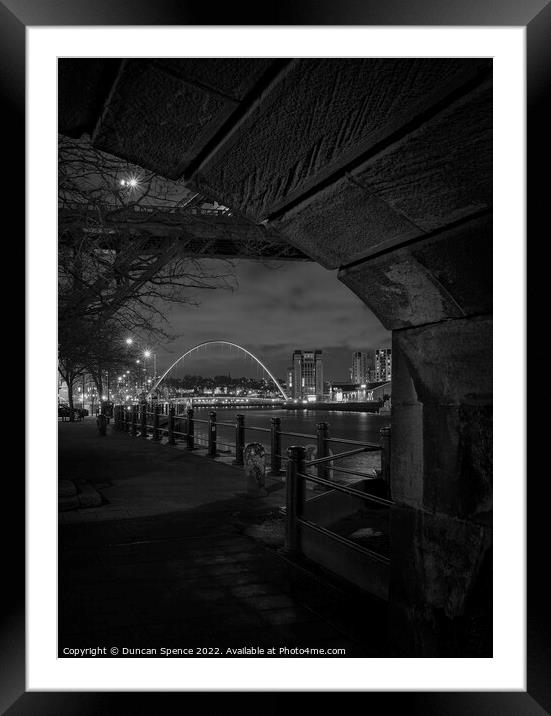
(156, 431)
(321, 430)
(295, 497)
(239, 439)
(254, 460)
(385, 457)
(134, 421)
(212, 435)
(171, 440)
(101, 422)
(190, 430)
(143, 420)
(275, 447)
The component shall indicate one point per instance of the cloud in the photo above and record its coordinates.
(274, 311)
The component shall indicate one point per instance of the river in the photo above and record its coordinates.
(342, 424)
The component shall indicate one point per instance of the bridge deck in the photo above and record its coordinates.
(200, 232)
(168, 560)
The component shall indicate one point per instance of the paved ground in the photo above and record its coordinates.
(167, 561)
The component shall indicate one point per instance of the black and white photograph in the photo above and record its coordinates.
(275, 357)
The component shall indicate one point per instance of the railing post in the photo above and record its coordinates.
(126, 419)
(190, 430)
(171, 440)
(156, 431)
(116, 416)
(385, 456)
(275, 448)
(143, 420)
(295, 497)
(101, 422)
(212, 434)
(239, 438)
(134, 417)
(322, 451)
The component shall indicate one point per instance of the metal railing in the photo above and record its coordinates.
(145, 421)
(296, 498)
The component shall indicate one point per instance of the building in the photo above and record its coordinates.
(379, 392)
(382, 372)
(289, 382)
(362, 364)
(345, 392)
(306, 380)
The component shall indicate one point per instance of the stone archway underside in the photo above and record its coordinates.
(381, 168)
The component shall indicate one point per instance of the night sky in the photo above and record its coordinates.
(273, 310)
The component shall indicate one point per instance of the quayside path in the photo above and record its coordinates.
(177, 556)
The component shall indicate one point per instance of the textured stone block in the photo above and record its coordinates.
(440, 585)
(450, 362)
(435, 279)
(407, 458)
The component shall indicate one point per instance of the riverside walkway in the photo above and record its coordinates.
(177, 556)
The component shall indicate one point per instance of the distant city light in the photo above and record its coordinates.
(129, 341)
(147, 354)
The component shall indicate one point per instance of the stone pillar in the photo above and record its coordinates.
(441, 477)
(436, 296)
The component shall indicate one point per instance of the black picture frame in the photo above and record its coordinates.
(15, 16)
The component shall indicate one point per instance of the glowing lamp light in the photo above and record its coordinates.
(132, 182)
(147, 354)
(129, 341)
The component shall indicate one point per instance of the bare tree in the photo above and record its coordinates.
(120, 259)
(121, 244)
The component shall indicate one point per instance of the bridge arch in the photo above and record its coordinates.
(220, 342)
